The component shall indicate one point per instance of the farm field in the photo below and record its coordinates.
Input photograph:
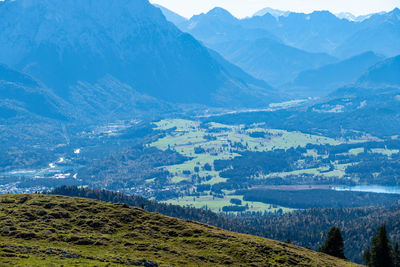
(338, 171)
(215, 204)
(205, 144)
(308, 160)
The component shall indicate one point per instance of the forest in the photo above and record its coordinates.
(318, 198)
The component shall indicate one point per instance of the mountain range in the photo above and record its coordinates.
(380, 34)
(277, 47)
(320, 31)
(256, 50)
(107, 61)
(108, 55)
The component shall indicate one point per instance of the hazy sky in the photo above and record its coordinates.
(243, 8)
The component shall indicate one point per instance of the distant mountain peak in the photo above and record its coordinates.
(395, 13)
(219, 11)
(323, 14)
(274, 12)
(351, 17)
(346, 15)
(217, 16)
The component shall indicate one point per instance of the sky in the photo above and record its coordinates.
(244, 8)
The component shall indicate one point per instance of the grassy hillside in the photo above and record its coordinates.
(358, 225)
(54, 230)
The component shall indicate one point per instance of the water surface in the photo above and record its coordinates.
(370, 188)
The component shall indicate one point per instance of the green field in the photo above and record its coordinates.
(339, 171)
(205, 143)
(217, 142)
(387, 152)
(215, 204)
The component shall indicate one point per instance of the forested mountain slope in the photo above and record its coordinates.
(323, 80)
(308, 228)
(384, 73)
(24, 98)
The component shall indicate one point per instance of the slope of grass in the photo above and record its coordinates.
(44, 230)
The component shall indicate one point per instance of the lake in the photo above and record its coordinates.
(370, 188)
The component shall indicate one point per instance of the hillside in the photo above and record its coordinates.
(385, 73)
(358, 224)
(23, 97)
(311, 225)
(344, 112)
(270, 60)
(67, 231)
(29, 111)
(321, 81)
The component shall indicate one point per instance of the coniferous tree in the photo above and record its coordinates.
(381, 251)
(396, 255)
(367, 256)
(334, 245)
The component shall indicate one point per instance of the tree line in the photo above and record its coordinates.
(380, 253)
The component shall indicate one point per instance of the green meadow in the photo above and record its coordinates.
(202, 144)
